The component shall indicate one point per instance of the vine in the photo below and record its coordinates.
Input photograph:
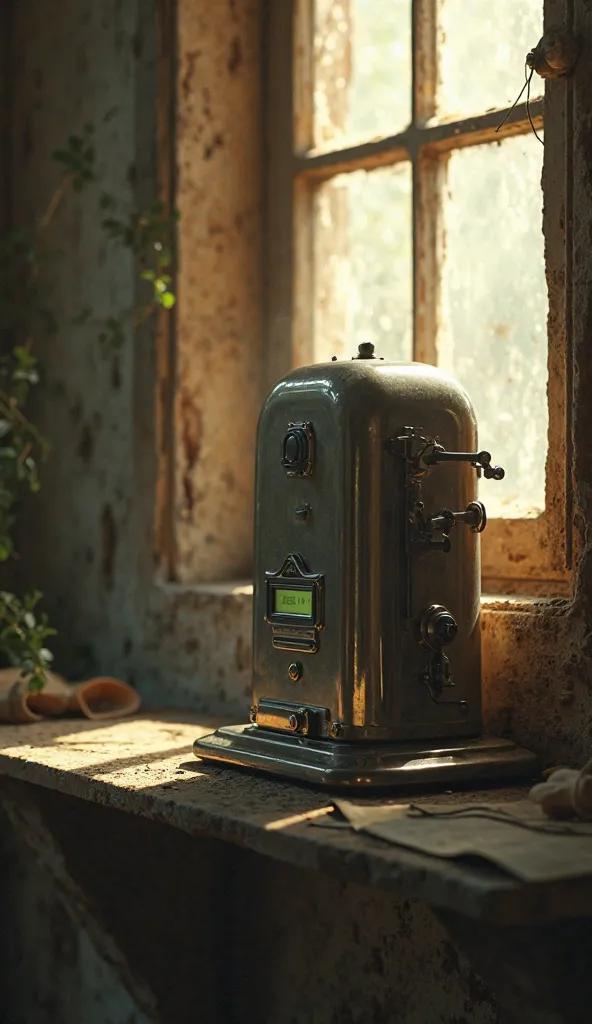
(26, 320)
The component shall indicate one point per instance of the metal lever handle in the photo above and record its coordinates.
(474, 516)
(435, 453)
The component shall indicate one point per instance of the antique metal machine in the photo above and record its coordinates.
(366, 634)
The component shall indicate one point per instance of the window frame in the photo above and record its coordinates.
(530, 556)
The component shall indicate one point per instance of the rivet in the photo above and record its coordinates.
(295, 671)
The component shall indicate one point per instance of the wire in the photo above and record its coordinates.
(508, 112)
(526, 86)
(528, 78)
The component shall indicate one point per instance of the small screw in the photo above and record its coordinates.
(295, 671)
(302, 512)
(253, 713)
(336, 730)
(293, 723)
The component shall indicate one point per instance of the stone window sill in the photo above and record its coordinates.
(145, 766)
(243, 589)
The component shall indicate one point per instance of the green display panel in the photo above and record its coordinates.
(293, 602)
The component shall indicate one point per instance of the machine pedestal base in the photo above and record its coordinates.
(363, 765)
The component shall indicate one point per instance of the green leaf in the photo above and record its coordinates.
(148, 275)
(111, 113)
(82, 317)
(107, 202)
(167, 300)
(6, 548)
(62, 156)
(36, 682)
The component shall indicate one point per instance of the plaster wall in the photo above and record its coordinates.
(125, 425)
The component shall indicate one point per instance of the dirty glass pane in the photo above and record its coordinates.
(362, 68)
(493, 336)
(362, 259)
(482, 46)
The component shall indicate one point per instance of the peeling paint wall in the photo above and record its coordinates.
(219, 181)
(88, 541)
(68, 69)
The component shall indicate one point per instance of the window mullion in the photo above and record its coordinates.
(279, 189)
(424, 60)
(428, 170)
(426, 181)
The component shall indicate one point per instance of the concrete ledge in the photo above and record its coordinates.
(144, 766)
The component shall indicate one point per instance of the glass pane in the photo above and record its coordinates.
(362, 68)
(482, 47)
(362, 258)
(493, 337)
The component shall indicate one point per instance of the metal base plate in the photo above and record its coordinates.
(340, 765)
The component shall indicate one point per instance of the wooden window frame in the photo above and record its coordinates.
(528, 556)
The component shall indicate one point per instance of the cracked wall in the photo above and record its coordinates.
(219, 182)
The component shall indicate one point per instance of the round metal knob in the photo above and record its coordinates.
(476, 516)
(438, 627)
(365, 351)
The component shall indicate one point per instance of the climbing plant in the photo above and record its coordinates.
(27, 320)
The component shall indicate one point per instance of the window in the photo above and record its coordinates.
(399, 215)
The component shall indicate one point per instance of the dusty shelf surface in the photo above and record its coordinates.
(145, 766)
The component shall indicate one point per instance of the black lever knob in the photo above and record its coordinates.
(474, 516)
(435, 453)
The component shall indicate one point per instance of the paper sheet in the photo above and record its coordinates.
(516, 836)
